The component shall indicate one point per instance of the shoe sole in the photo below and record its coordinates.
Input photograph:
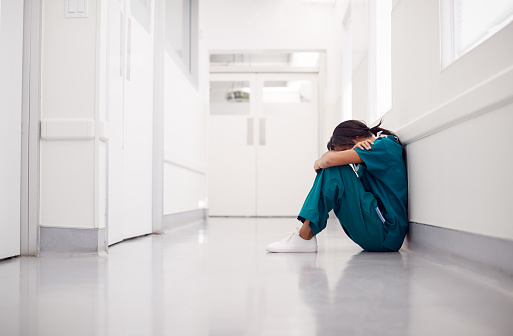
(291, 251)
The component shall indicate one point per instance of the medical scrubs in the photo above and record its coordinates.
(371, 204)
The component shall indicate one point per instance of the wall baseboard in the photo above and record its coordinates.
(93, 241)
(467, 249)
(72, 240)
(177, 220)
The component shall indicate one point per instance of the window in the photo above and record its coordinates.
(141, 11)
(230, 98)
(282, 97)
(380, 60)
(295, 59)
(347, 76)
(467, 23)
(182, 32)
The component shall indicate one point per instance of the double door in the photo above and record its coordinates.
(263, 142)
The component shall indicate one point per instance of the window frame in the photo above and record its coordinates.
(189, 68)
(448, 50)
(373, 112)
(347, 74)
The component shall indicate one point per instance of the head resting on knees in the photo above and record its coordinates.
(350, 132)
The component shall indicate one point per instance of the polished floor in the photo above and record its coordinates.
(215, 278)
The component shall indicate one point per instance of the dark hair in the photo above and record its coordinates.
(349, 130)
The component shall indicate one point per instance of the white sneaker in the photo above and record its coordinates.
(294, 243)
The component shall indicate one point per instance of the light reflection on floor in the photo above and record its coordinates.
(215, 278)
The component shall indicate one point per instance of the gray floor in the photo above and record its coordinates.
(215, 278)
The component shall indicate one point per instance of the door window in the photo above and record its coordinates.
(284, 96)
(230, 98)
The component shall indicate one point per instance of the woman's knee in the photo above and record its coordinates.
(338, 170)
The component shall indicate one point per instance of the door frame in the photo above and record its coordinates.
(30, 128)
(159, 19)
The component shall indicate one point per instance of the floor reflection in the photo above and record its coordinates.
(217, 279)
(370, 297)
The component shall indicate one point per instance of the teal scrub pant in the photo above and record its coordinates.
(339, 189)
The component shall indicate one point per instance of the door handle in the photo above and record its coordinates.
(262, 132)
(122, 44)
(128, 49)
(250, 128)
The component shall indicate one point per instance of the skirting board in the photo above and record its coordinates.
(465, 248)
(176, 220)
(72, 240)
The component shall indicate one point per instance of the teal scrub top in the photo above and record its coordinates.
(383, 173)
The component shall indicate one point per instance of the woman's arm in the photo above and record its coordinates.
(342, 157)
(337, 158)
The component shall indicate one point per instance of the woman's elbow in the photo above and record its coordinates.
(326, 163)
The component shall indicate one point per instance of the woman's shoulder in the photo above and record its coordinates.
(387, 138)
(389, 147)
(389, 141)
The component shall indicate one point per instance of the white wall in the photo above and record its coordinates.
(354, 13)
(332, 88)
(185, 131)
(361, 90)
(185, 136)
(74, 129)
(455, 122)
(75, 97)
(68, 88)
(458, 176)
(266, 25)
(416, 40)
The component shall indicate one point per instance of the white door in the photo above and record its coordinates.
(232, 146)
(130, 114)
(138, 121)
(263, 142)
(11, 44)
(288, 142)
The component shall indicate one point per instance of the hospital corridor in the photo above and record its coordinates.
(256, 167)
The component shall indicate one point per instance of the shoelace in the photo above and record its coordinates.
(290, 235)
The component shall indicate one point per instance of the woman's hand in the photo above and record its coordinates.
(317, 168)
(366, 144)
